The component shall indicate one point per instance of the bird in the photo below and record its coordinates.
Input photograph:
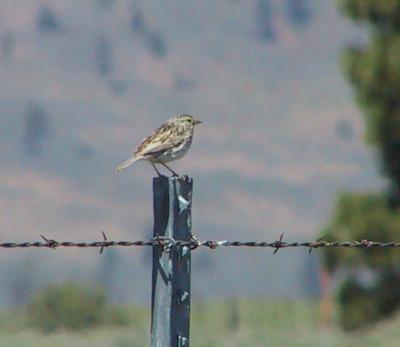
(169, 142)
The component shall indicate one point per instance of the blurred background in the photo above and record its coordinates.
(300, 111)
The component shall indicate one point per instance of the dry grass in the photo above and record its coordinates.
(221, 324)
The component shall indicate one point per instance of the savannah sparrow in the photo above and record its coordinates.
(169, 142)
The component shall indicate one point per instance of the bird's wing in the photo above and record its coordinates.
(156, 145)
(157, 149)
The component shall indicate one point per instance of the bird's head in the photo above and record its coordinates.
(187, 119)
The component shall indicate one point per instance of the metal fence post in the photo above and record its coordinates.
(170, 304)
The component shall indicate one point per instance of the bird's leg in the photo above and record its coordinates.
(155, 168)
(167, 167)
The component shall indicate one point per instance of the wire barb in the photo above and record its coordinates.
(105, 244)
(195, 242)
(50, 243)
(315, 244)
(165, 241)
(279, 244)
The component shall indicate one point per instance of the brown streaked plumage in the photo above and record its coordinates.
(169, 142)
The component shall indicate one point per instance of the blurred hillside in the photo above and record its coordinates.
(84, 81)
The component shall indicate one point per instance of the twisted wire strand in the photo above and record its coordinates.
(194, 244)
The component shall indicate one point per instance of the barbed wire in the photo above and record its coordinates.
(194, 243)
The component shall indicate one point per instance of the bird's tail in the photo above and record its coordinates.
(127, 163)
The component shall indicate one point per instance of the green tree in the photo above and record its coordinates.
(370, 289)
(374, 73)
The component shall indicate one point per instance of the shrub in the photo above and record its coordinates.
(68, 306)
(361, 306)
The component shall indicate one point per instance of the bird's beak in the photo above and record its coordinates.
(196, 122)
